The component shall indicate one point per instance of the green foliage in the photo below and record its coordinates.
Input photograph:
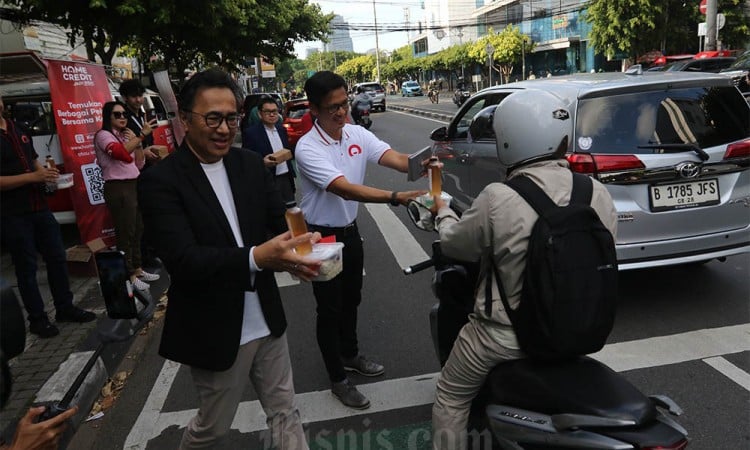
(508, 46)
(635, 28)
(359, 69)
(736, 31)
(183, 33)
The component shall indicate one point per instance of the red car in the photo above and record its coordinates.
(293, 123)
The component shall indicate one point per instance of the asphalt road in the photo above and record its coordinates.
(681, 331)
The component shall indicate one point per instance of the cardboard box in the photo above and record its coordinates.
(281, 155)
(81, 261)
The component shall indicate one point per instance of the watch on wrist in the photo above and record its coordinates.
(394, 201)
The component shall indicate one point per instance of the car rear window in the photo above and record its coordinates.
(297, 111)
(620, 123)
(372, 87)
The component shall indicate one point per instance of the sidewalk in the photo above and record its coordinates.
(42, 357)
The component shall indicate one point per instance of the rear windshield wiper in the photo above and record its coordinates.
(680, 146)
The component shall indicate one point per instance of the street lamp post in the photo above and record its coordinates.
(490, 50)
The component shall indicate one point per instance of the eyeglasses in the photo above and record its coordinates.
(333, 109)
(270, 112)
(118, 114)
(214, 120)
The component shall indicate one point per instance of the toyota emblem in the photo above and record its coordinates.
(688, 169)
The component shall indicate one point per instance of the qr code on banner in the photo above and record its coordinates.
(92, 177)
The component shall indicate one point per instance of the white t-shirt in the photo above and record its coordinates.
(254, 324)
(276, 145)
(321, 160)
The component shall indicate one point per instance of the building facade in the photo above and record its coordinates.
(340, 39)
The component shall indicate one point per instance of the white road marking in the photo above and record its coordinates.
(320, 406)
(145, 428)
(401, 393)
(404, 247)
(729, 370)
(664, 350)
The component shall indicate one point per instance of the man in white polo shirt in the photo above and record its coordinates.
(331, 159)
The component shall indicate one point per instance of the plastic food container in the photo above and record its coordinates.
(330, 255)
(427, 200)
(65, 180)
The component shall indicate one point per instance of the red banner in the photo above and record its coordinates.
(79, 91)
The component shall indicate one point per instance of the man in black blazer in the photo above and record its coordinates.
(267, 137)
(210, 211)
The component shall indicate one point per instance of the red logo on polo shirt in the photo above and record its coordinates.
(24, 139)
(354, 149)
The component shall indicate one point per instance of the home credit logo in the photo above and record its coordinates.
(354, 149)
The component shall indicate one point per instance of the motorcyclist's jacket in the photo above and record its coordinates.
(363, 98)
(501, 220)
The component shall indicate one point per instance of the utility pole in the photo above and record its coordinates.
(711, 28)
(377, 45)
(490, 50)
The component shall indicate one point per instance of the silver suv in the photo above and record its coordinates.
(673, 149)
(376, 92)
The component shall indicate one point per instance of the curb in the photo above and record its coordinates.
(48, 367)
(422, 112)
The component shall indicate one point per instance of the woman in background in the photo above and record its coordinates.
(120, 155)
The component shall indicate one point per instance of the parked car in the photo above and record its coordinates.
(673, 149)
(293, 112)
(410, 88)
(700, 65)
(376, 91)
(739, 72)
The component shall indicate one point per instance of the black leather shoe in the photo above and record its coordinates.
(74, 314)
(43, 328)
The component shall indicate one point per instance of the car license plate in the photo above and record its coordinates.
(665, 197)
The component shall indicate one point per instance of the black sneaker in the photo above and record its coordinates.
(348, 394)
(43, 328)
(74, 314)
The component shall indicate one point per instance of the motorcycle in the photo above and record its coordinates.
(363, 115)
(434, 95)
(528, 404)
(460, 95)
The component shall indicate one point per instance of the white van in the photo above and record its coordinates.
(25, 91)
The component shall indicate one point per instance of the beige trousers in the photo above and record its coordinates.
(474, 354)
(266, 363)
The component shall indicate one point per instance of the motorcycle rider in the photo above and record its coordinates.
(434, 91)
(362, 98)
(533, 132)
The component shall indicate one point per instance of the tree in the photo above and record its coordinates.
(636, 28)
(736, 31)
(624, 26)
(183, 33)
(359, 69)
(508, 47)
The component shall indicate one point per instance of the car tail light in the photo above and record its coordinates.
(738, 150)
(679, 445)
(588, 163)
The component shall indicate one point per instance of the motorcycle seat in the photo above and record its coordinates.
(578, 386)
